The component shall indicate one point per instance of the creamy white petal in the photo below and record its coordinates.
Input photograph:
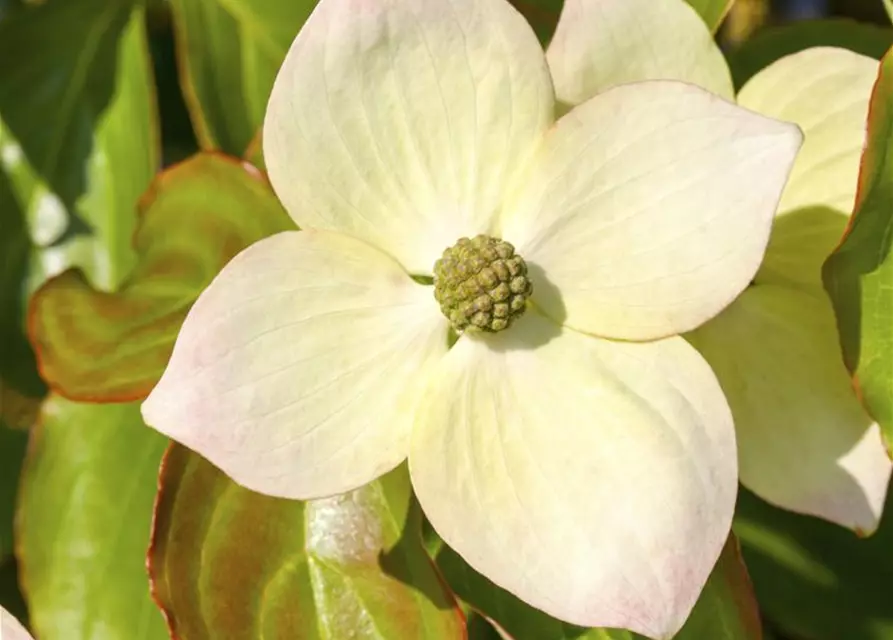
(599, 44)
(297, 371)
(804, 441)
(648, 209)
(401, 121)
(10, 628)
(593, 479)
(825, 91)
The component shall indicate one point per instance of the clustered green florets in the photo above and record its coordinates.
(481, 284)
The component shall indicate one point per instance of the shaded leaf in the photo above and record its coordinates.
(726, 609)
(814, 579)
(773, 43)
(230, 51)
(82, 139)
(111, 348)
(20, 384)
(10, 596)
(227, 562)
(83, 522)
(541, 14)
(12, 452)
(712, 11)
(859, 274)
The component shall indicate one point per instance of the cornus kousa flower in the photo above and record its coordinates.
(804, 441)
(495, 296)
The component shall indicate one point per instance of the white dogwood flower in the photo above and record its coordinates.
(565, 441)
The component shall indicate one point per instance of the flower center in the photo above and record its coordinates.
(481, 285)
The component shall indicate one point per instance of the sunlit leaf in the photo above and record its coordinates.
(230, 52)
(859, 274)
(726, 609)
(814, 579)
(229, 563)
(773, 43)
(81, 140)
(111, 348)
(83, 523)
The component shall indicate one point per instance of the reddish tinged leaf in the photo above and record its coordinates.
(227, 562)
(859, 274)
(100, 347)
(727, 608)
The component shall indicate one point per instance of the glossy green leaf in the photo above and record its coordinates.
(229, 563)
(814, 579)
(712, 11)
(83, 523)
(773, 43)
(81, 142)
(111, 348)
(230, 51)
(726, 609)
(888, 5)
(859, 274)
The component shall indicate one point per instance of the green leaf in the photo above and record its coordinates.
(230, 51)
(726, 609)
(113, 348)
(859, 274)
(229, 563)
(814, 579)
(83, 523)
(774, 43)
(81, 141)
(712, 11)
(888, 5)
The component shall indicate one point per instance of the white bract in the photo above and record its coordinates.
(10, 628)
(804, 441)
(584, 458)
